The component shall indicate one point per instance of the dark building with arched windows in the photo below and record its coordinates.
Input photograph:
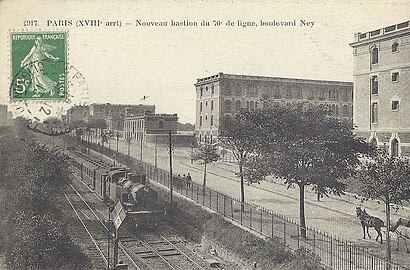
(225, 94)
(381, 71)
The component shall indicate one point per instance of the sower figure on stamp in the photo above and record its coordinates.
(33, 62)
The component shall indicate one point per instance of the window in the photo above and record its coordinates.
(322, 95)
(212, 120)
(238, 105)
(375, 55)
(202, 91)
(161, 124)
(238, 91)
(373, 142)
(394, 148)
(395, 77)
(206, 102)
(289, 93)
(395, 47)
(247, 105)
(206, 88)
(212, 105)
(200, 137)
(200, 120)
(346, 95)
(375, 85)
(228, 91)
(311, 94)
(252, 105)
(345, 112)
(212, 89)
(375, 113)
(227, 105)
(299, 93)
(395, 105)
(276, 93)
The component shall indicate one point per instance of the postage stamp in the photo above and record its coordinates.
(38, 66)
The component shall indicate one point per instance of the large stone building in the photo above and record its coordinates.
(113, 114)
(225, 94)
(149, 126)
(381, 62)
(105, 110)
(77, 113)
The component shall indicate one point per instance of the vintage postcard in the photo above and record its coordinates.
(180, 134)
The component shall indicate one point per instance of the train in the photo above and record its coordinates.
(116, 183)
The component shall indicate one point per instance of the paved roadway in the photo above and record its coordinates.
(334, 215)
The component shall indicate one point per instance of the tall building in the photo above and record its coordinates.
(225, 94)
(381, 75)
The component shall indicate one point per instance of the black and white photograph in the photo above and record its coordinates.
(199, 135)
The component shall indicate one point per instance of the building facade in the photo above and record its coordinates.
(78, 113)
(140, 126)
(381, 63)
(225, 94)
(105, 110)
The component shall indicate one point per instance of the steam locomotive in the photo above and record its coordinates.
(115, 183)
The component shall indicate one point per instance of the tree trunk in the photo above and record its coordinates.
(242, 188)
(302, 210)
(388, 244)
(204, 183)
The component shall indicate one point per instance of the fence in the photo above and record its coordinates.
(335, 253)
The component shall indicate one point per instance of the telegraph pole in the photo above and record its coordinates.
(170, 165)
(142, 140)
(156, 151)
(117, 140)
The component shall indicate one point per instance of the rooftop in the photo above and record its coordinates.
(388, 31)
(221, 75)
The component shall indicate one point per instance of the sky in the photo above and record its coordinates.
(123, 64)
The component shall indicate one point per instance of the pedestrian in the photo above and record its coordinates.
(189, 180)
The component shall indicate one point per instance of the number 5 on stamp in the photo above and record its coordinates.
(38, 66)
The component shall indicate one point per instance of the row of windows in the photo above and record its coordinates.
(206, 118)
(375, 52)
(206, 138)
(394, 146)
(206, 104)
(374, 82)
(212, 88)
(298, 94)
(375, 110)
(345, 110)
(250, 105)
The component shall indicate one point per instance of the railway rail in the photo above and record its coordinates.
(146, 250)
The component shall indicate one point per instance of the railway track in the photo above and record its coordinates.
(94, 238)
(146, 250)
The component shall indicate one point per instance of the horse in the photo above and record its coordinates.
(369, 221)
(402, 230)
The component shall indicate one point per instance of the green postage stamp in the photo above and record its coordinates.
(38, 66)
